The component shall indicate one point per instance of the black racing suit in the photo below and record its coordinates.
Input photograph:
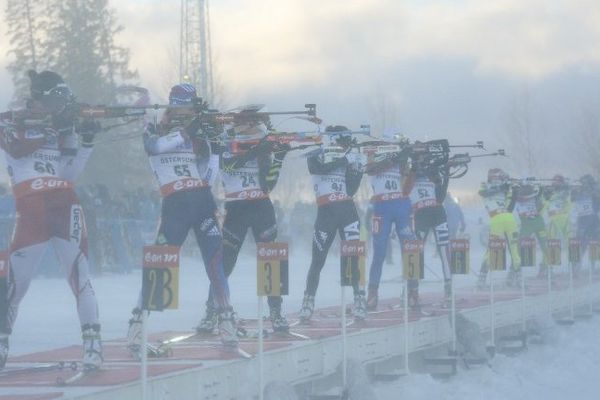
(429, 213)
(339, 215)
(256, 214)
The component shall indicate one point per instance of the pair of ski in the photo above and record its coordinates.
(244, 333)
(56, 366)
(165, 347)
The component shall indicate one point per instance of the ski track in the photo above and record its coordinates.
(565, 367)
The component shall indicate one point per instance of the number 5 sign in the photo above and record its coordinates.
(413, 262)
(272, 269)
(160, 278)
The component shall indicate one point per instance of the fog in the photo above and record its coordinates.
(522, 76)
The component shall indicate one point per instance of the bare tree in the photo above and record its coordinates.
(521, 141)
(587, 143)
(384, 111)
(22, 21)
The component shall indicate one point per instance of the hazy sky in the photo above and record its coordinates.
(446, 68)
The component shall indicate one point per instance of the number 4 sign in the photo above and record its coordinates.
(272, 269)
(160, 278)
(352, 262)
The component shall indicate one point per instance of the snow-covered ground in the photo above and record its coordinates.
(566, 367)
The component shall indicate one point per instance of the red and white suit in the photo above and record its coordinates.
(42, 165)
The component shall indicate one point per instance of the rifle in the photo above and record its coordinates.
(459, 163)
(304, 139)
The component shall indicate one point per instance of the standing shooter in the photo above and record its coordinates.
(175, 151)
(44, 159)
(499, 202)
(336, 177)
(391, 206)
(248, 176)
(429, 185)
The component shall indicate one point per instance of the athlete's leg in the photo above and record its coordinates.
(324, 233)
(29, 241)
(442, 241)
(23, 264)
(235, 227)
(507, 228)
(73, 256)
(210, 241)
(381, 227)
(69, 239)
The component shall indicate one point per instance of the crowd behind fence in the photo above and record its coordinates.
(119, 224)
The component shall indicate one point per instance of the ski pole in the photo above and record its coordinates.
(406, 326)
(144, 356)
(344, 355)
(261, 375)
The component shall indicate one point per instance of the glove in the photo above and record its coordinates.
(355, 158)
(193, 127)
(279, 147)
(264, 147)
(88, 129)
(62, 122)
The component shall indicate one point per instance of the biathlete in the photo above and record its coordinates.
(336, 177)
(185, 169)
(248, 176)
(43, 164)
(499, 201)
(391, 206)
(428, 183)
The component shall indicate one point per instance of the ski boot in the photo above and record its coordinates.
(308, 307)
(278, 320)
(92, 347)
(372, 298)
(3, 349)
(413, 299)
(360, 306)
(134, 333)
(227, 327)
(207, 325)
